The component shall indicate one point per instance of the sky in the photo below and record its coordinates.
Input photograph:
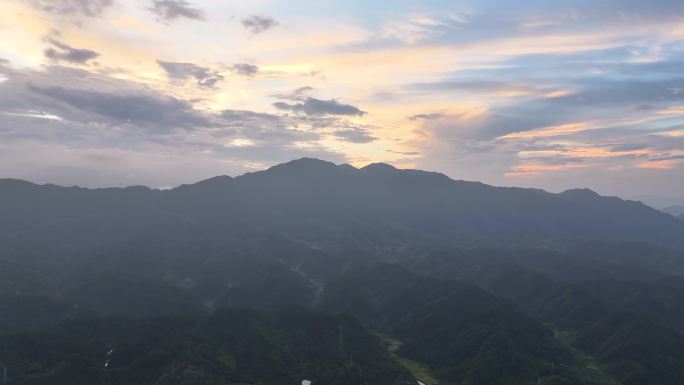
(532, 93)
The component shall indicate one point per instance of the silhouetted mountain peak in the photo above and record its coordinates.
(580, 194)
(217, 180)
(13, 183)
(379, 168)
(303, 170)
(347, 167)
(302, 167)
(305, 164)
(16, 186)
(431, 178)
(137, 188)
(214, 183)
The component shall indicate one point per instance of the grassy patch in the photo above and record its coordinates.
(419, 371)
(588, 368)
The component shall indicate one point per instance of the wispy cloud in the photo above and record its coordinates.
(245, 69)
(658, 164)
(59, 51)
(256, 24)
(313, 106)
(204, 76)
(170, 10)
(89, 8)
(429, 116)
(354, 135)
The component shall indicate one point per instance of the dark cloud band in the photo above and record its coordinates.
(204, 76)
(170, 10)
(313, 106)
(258, 24)
(63, 52)
(90, 8)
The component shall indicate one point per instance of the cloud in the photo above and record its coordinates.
(246, 119)
(264, 127)
(481, 86)
(101, 131)
(77, 108)
(492, 21)
(425, 116)
(405, 153)
(258, 24)
(298, 94)
(573, 118)
(90, 8)
(204, 76)
(155, 112)
(267, 128)
(593, 103)
(63, 52)
(534, 169)
(478, 92)
(170, 10)
(658, 165)
(313, 106)
(244, 69)
(354, 135)
(671, 157)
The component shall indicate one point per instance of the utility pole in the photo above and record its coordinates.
(5, 379)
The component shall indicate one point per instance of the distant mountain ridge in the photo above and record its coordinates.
(306, 191)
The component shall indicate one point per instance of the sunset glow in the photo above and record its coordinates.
(122, 91)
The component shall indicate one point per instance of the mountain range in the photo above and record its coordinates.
(334, 274)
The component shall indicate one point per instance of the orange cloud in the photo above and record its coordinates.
(585, 152)
(563, 129)
(658, 164)
(571, 128)
(672, 111)
(673, 133)
(533, 169)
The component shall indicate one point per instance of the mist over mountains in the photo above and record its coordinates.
(337, 274)
(676, 211)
